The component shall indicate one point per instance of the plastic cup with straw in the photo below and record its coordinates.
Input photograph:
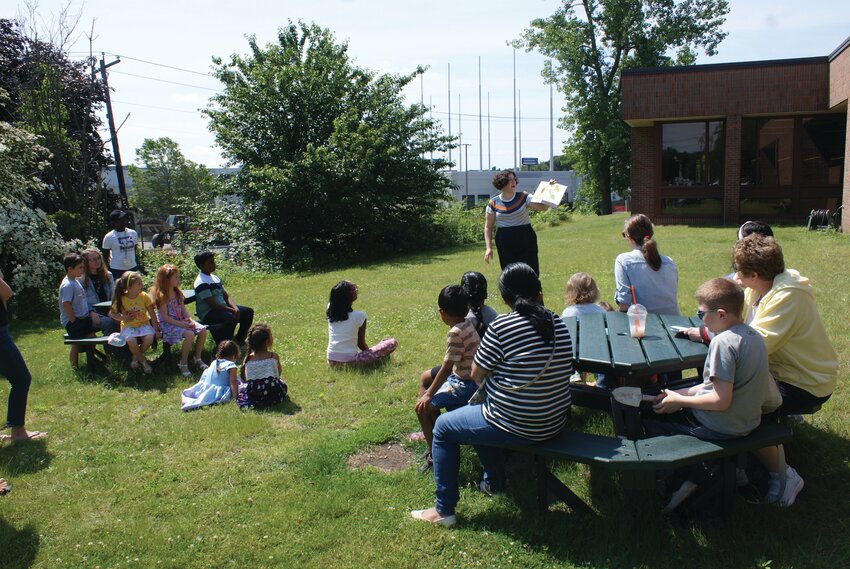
(637, 317)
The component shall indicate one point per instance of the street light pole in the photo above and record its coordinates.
(466, 163)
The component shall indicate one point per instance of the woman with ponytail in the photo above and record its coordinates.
(653, 276)
(527, 358)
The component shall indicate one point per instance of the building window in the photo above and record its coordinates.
(767, 152)
(791, 165)
(822, 150)
(692, 154)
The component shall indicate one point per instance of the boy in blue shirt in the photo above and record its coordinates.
(73, 306)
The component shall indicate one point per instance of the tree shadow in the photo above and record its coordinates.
(25, 457)
(18, 547)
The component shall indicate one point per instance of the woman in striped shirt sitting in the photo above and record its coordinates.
(527, 358)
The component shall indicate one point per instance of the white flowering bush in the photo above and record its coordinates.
(31, 248)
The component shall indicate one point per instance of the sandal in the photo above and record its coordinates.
(201, 365)
(134, 364)
(184, 369)
(146, 367)
(427, 465)
(416, 437)
(5, 487)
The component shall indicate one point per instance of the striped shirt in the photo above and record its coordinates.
(207, 286)
(461, 344)
(514, 354)
(511, 213)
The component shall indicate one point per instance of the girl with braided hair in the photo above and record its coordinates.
(474, 286)
(527, 358)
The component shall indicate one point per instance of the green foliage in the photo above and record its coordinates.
(549, 218)
(589, 44)
(58, 100)
(166, 182)
(30, 245)
(457, 225)
(332, 160)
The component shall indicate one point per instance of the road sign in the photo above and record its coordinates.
(529, 161)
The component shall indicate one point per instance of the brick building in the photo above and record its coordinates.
(729, 142)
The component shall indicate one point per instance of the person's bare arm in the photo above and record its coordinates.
(538, 206)
(489, 222)
(69, 311)
(718, 399)
(5, 290)
(361, 338)
(439, 380)
(234, 383)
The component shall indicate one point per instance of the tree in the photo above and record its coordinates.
(165, 181)
(57, 99)
(333, 162)
(30, 245)
(590, 43)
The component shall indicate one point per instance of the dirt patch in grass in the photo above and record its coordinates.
(388, 457)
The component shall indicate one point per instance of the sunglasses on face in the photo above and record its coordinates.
(701, 313)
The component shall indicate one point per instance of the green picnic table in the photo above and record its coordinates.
(602, 344)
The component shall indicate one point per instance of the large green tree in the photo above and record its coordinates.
(589, 43)
(165, 181)
(333, 161)
(57, 99)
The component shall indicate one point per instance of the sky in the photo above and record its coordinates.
(152, 99)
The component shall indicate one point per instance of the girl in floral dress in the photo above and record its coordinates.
(262, 385)
(174, 319)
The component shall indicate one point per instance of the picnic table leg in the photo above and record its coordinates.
(547, 482)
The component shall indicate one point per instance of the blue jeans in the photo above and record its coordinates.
(12, 366)
(467, 426)
(454, 393)
(246, 318)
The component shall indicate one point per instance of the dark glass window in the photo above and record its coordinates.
(692, 153)
(822, 150)
(767, 152)
(691, 206)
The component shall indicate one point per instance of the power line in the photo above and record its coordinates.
(166, 81)
(155, 107)
(492, 116)
(161, 64)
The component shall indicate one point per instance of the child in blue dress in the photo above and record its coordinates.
(218, 382)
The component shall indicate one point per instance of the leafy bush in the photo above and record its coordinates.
(550, 217)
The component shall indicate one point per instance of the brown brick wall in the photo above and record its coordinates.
(645, 160)
(839, 92)
(792, 86)
(732, 171)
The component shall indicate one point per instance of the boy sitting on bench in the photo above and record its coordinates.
(736, 390)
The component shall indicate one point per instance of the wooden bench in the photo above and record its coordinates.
(95, 360)
(647, 456)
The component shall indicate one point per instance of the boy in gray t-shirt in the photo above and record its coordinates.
(737, 384)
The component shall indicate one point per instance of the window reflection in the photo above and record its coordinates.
(692, 153)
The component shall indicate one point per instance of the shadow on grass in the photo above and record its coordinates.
(620, 533)
(25, 457)
(288, 407)
(18, 547)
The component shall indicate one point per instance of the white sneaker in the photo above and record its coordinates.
(447, 521)
(793, 484)
(683, 493)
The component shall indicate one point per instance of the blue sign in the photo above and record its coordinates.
(529, 161)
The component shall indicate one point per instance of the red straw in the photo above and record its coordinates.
(634, 300)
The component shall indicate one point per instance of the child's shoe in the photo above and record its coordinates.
(200, 364)
(793, 484)
(683, 493)
(146, 367)
(184, 369)
(447, 521)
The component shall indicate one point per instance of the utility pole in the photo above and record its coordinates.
(113, 134)
(450, 113)
(466, 160)
(480, 121)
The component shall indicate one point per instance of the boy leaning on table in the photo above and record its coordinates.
(737, 387)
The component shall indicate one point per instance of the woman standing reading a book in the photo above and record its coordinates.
(516, 241)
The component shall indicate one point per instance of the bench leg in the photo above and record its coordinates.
(548, 483)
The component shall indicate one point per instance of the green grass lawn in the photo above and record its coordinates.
(126, 479)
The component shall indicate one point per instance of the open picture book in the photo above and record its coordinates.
(549, 193)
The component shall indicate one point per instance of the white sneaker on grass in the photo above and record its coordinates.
(793, 484)
(683, 493)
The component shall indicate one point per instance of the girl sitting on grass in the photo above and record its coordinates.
(347, 330)
(134, 309)
(262, 385)
(218, 383)
(176, 323)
